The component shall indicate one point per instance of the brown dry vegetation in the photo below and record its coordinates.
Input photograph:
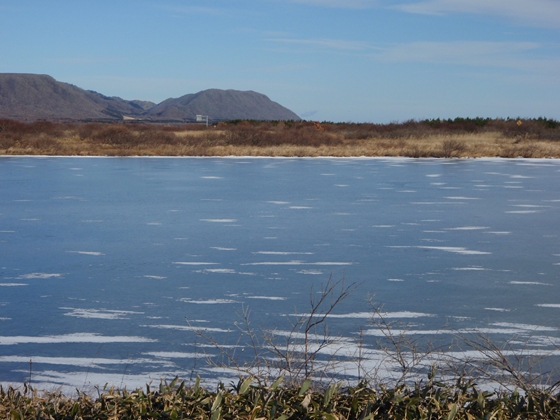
(536, 138)
(246, 400)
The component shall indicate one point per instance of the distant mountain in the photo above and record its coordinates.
(145, 105)
(34, 96)
(222, 105)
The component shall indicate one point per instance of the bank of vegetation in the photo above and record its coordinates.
(247, 400)
(460, 137)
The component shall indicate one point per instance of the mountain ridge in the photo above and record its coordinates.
(220, 104)
(26, 96)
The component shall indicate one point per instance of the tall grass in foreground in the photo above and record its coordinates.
(245, 400)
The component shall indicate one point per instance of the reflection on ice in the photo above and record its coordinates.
(469, 228)
(88, 381)
(99, 313)
(437, 203)
(297, 262)
(72, 338)
(266, 297)
(525, 327)
(529, 206)
(530, 283)
(370, 315)
(282, 253)
(454, 249)
(76, 361)
(94, 253)
(218, 270)
(512, 331)
(194, 263)
(172, 355)
(310, 272)
(208, 301)
(186, 328)
(39, 276)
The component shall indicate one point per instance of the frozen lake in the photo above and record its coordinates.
(103, 260)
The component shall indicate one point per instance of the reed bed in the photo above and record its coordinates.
(246, 400)
(459, 138)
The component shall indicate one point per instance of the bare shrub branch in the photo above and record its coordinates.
(307, 350)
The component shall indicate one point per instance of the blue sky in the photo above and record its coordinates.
(327, 60)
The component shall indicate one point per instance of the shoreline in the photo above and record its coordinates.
(322, 157)
(494, 139)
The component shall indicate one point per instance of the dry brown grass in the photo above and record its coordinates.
(409, 139)
(247, 399)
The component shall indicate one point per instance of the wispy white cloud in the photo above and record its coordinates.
(277, 34)
(544, 13)
(326, 43)
(459, 52)
(526, 56)
(342, 4)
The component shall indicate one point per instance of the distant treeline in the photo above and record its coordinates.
(542, 127)
(481, 122)
(508, 126)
